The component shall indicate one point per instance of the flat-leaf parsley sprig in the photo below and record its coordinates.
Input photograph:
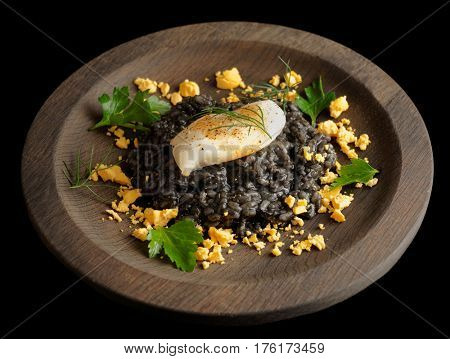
(359, 171)
(316, 100)
(179, 242)
(139, 113)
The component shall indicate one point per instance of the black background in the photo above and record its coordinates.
(32, 67)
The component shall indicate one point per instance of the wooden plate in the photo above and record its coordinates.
(381, 222)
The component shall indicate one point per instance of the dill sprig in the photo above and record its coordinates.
(271, 92)
(239, 119)
(79, 176)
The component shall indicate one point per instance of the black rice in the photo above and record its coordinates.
(244, 194)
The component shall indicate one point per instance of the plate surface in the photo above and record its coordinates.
(249, 288)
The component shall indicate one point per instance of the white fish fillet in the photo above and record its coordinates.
(215, 138)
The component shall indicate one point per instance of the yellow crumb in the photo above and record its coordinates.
(215, 256)
(297, 221)
(276, 251)
(328, 128)
(202, 253)
(292, 78)
(114, 215)
(338, 216)
(228, 79)
(175, 98)
(146, 84)
(275, 80)
(189, 88)
(164, 87)
(122, 143)
(372, 182)
(338, 106)
(223, 237)
(300, 207)
(140, 233)
(362, 142)
(232, 97)
(110, 173)
(306, 153)
(205, 264)
(290, 201)
(319, 158)
(329, 177)
(159, 218)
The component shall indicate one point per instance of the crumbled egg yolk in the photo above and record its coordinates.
(328, 128)
(189, 88)
(372, 182)
(275, 80)
(128, 197)
(291, 95)
(114, 215)
(259, 245)
(344, 137)
(215, 256)
(146, 84)
(140, 233)
(338, 106)
(272, 234)
(122, 143)
(329, 177)
(205, 264)
(159, 218)
(335, 202)
(296, 221)
(321, 226)
(276, 251)
(290, 201)
(300, 207)
(228, 79)
(307, 154)
(232, 97)
(207, 243)
(164, 87)
(136, 142)
(362, 142)
(110, 173)
(317, 241)
(292, 78)
(175, 98)
(250, 239)
(223, 237)
(202, 253)
(319, 158)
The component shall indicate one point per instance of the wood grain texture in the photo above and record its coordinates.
(381, 222)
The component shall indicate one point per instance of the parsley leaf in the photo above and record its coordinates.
(359, 171)
(179, 242)
(139, 113)
(316, 100)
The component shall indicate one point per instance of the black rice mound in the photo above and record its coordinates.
(244, 194)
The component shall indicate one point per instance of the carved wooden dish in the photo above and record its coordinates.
(380, 225)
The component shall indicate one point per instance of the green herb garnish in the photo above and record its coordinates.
(239, 119)
(79, 176)
(359, 171)
(316, 100)
(138, 114)
(179, 242)
(274, 93)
